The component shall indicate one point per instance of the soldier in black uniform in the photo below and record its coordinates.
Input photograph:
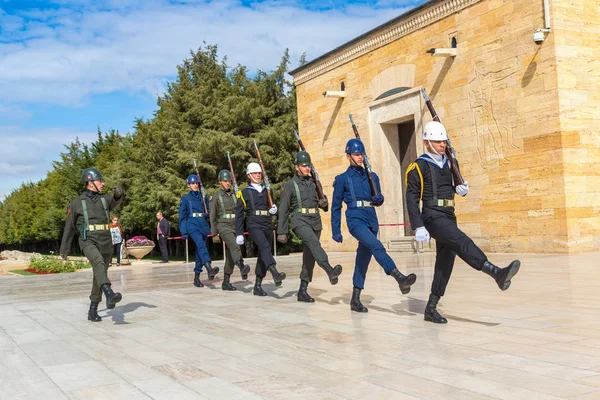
(253, 210)
(89, 215)
(429, 179)
(300, 200)
(222, 226)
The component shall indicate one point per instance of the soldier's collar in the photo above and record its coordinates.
(432, 161)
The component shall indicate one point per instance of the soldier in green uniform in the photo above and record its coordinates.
(88, 214)
(222, 227)
(300, 201)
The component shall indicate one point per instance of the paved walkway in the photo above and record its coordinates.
(170, 340)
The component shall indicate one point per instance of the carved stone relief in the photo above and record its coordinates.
(492, 123)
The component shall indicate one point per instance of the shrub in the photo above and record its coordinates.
(137, 241)
(53, 264)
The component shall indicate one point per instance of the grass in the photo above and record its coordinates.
(21, 272)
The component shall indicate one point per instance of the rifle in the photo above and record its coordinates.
(366, 160)
(450, 152)
(264, 171)
(201, 189)
(313, 171)
(235, 185)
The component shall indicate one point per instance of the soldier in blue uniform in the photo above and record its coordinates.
(352, 187)
(429, 180)
(193, 222)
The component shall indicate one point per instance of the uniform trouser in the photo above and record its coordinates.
(117, 247)
(450, 241)
(233, 254)
(202, 256)
(262, 237)
(162, 243)
(312, 251)
(99, 263)
(368, 245)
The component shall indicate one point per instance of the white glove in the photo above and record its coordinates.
(273, 210)
(239, 240)
(422, 235)
(462, 189)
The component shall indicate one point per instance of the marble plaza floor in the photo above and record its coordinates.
(170, 340)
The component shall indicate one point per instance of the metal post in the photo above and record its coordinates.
(187, 260)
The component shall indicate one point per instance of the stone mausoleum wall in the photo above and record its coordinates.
(522, 116)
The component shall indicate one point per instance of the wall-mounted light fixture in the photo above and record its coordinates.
(444, 52)
(336, 93)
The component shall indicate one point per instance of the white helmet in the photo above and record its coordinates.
(253, 167)
(434, 131)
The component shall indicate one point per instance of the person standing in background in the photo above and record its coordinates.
(117, 237)
(163, 231)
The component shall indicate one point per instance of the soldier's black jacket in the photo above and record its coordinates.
(249, 201)
(97, 215)
(222, 203)
(419, 186)
(289, 204)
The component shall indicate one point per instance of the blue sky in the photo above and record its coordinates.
(68, 67)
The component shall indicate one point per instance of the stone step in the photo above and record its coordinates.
(407, 244)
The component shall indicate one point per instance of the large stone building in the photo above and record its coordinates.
(522, 114)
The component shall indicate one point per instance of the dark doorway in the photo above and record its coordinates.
(408, 154)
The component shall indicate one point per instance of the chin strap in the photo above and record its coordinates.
(354, 162)
(95, 187)
(432, 149)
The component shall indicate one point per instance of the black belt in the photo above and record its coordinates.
(438, 203)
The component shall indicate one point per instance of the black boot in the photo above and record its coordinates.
(244, 269)
(502, 276)
(333, 272)
(404, 282)
(226, 285)
(109, 306)
(355, 304)
(258, 290)
(212, 272)
(278, 277)
(197, 282)
(112, 298)
(431, 313)
(93, 313)
(303, 294)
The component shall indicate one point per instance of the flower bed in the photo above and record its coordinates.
(53, 264)
(139, 241)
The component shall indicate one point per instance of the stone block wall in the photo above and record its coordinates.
(520, 115)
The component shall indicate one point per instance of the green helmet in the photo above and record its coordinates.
(91, 174)
(224, 175)
(302, 158)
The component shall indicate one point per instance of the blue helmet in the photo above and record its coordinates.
(355, 146)
(192, 178)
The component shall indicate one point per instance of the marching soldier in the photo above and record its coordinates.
(222, 226)
(352, 187)
(429, 180)
(299, 199)
(89, 214)
(253, 210)
(193, 223)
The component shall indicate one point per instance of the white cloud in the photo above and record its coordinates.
(27, 155)
(65, 56)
